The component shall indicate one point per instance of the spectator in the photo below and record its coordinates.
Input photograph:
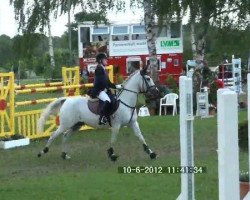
(116, 38)
(219, 82)
(100, 38)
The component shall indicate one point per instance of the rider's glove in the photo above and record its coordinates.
(119, 86)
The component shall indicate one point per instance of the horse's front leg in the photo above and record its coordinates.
(111, 153)
(137, 131)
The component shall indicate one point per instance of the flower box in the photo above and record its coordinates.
(14, 143)
(244, 184)
(244, 188)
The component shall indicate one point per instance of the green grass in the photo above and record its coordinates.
(90, 175)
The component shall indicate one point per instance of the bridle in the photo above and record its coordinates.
(148, 87)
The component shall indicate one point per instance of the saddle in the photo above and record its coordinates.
(94, 105)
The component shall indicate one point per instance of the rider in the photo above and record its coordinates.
(101, 85)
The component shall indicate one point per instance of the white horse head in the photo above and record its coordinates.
(140, 82)
(74, 112)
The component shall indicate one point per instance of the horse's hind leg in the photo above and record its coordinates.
(111, 153)
(135, 126)
(66, 136)
(54, 135)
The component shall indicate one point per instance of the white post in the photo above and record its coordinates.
(236, 65)
(228, 149)
(186, 137)
(248, 117)
(202, 104)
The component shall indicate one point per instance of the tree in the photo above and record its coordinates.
(28, 50)
(51, 47)
(96, 17)
(6, 52)
(218, 13)
(151, 37)
(161, 11)
(40, 10)
(36, 14)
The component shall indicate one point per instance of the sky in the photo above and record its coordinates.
(9, 26)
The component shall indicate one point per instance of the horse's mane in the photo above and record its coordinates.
(131, 75)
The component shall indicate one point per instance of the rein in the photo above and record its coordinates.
(131, 107)
(125, 89)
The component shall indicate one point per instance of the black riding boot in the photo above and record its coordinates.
(104, 113)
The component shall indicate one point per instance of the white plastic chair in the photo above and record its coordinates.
(169, 100)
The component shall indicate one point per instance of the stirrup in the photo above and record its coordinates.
(103, 120)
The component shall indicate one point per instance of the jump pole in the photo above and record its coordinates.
(228, 149)
(186, 137)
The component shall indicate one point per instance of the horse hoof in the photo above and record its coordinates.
(39, 155)
(46, 150)
(153, 155)
(65, 156)
(113, 157)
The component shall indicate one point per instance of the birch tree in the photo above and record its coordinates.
(213, 12)
(51, 47)
(160, 13)
(34, 15)
(151, 37)
(38, 13)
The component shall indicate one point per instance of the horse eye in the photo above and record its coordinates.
(148, 79)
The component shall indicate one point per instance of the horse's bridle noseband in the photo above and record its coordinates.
(144, 81)
(147, 85)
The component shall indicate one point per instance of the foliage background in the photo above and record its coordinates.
(30, 52)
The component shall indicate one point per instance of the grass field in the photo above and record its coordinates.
(89, 175)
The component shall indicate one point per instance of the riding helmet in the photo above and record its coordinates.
(100, 57)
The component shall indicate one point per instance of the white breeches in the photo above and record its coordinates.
(103, 96)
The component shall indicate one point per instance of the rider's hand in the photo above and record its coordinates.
(119, 86)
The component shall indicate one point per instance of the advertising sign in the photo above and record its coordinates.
(139, 47)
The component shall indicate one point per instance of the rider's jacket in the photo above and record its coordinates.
(101, 81)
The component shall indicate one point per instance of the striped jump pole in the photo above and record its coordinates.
(34, 102)
(186, 137)
(34, 90)
(47, 84)
(228, 149)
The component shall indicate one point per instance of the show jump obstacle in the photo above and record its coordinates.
(186, 137)
(228, 149)
(25, 122)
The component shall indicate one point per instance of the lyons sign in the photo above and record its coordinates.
(170, 43)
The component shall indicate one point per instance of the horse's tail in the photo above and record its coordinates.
(51, 109)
